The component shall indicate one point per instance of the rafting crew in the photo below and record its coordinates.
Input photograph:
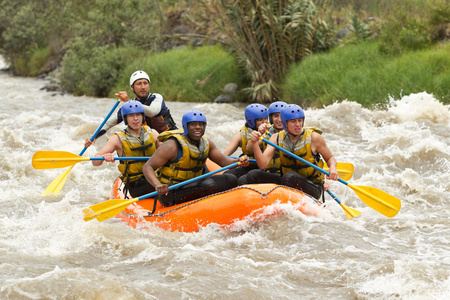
(256, 116)
(157, 114)
(267, 130)
(136, 140)
(305, 142)
(182, 156)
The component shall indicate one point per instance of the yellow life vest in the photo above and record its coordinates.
(245, 138)
(274, 164)
(190, 161)
(132, 146)
(164, 136)
(301, 148)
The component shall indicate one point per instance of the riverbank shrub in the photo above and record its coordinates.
(413, 25)
(187, 74)
(363, 74)
(88, 38)
(24, 34)
(92, 70)
(33, 62)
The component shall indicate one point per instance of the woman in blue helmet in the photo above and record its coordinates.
(305, 142)
(255, 116)
(182, 156)
(157, 114)
(134, 141)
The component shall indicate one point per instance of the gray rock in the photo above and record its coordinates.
(51, 87)
(223, 99)
(344, 32)
(230, 88)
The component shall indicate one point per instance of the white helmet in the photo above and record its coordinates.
(138, 75)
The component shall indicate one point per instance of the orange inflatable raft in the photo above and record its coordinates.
(224, 209)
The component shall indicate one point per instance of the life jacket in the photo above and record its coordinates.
(274, 164)
(245, 139)
(190, 161)
(133, 147)
(156, 122)
(302, 148)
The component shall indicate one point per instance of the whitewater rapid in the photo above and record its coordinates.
(47, 251)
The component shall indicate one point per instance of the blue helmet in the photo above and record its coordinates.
(276, 107)
(290, 112)
(253, 112)
(192, 116)
(132, 107)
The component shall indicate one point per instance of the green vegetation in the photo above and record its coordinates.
(363, 74)
(187, 74)
(270, 48)
(32, 65)
(92, 70)
(27, 27)
(268, 36)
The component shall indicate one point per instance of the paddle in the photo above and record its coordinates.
(108, 209)
(57, 184)
(345, 170)
(62, 159)
(378, 200)
(349, 212)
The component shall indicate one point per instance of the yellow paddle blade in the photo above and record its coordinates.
(350, 212)
(55, 159)
(380, 201)
(107, 209)
(345, 170)
(58, 183)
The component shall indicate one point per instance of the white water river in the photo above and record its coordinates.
(47, 251)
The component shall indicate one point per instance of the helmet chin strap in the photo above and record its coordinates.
(293, 135)
(137, 96)
(191, 140)
(296, 136)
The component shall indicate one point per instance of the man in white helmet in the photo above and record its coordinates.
(157, 114)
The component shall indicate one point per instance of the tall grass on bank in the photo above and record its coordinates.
(186, 74)
(363, 74)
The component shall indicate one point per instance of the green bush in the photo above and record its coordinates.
(186, 74)
(360, 29)
(363, 74)
(29, 25)
(412, 25)
(31, 63)
(414, 38)
(89, 69)
(407, 35)
(23, 35)
(440, 13)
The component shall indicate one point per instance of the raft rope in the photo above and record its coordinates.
(263, 196)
